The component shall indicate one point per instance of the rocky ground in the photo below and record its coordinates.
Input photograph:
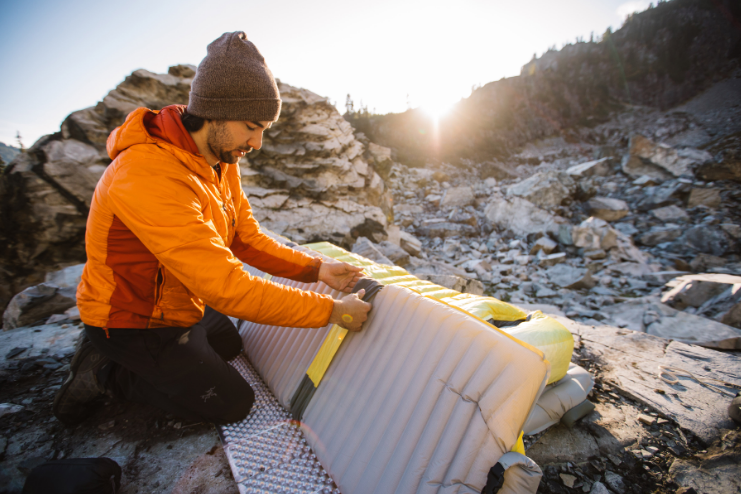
(588, 225)
(158, 453)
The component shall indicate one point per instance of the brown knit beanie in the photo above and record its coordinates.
(234, 83)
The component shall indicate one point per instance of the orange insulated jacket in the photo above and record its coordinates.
(165, 236)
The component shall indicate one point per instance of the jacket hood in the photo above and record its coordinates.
(163, 129)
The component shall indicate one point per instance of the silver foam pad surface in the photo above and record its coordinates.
(267, 451)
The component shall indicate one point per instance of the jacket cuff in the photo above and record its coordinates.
(310, 273)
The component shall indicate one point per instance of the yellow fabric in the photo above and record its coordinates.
(519, 446)
(541, 332)
(326, 353)
(551, 337)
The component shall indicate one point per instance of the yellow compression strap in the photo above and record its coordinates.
(326, 353)
(519, 446)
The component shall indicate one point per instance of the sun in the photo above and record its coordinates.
(436, 109)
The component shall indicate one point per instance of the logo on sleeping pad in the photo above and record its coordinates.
(209, 394)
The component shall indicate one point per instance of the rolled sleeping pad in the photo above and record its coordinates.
(559, 398)
(537, 329)
(426, 397)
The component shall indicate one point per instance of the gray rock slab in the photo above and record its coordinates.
(601, 168)
(445, 229)
(704, 197)
(630, 361)
(609, 430)
(599, 488)
(521, 216)
(717, 474)
(544, 244)
(546, 189)
(660, 234)
(607, 208)
(567, 276)
(646, 157)
(396, 254)
(67, 277)
(410, 243)
(51, 339)
(709, 239)
(670, 213)
(369, 250)
(594, 233)
(37, 303)
(649, 315)
(457, 283)
(695, 290)
(552, 259)
(457, 197)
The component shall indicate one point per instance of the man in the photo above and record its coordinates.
(168, 229)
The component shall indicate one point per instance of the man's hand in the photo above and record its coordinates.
(339, 275)
(350, 312)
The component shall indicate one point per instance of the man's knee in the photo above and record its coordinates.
(228, 345)
(237, 407)
(222, 334)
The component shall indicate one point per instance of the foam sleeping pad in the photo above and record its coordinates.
(425, 399)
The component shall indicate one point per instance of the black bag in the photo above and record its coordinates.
(74, 476)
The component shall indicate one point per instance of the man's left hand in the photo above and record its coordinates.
(339, 275)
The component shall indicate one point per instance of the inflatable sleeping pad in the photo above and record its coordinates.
(431, 396)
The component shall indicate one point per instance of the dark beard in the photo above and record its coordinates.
(218, 140)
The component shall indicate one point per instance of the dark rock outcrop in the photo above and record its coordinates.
(45, 193)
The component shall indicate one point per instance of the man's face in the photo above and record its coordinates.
(229, 141)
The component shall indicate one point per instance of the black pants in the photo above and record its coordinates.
(181, 370)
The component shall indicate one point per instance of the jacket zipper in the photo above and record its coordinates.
(159, 289)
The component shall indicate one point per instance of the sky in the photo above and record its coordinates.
(58, 57)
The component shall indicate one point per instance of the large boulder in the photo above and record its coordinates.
(45, 193)
(521, 216)
(607, 208)
(696, 290)
(142, 88)
(570, 277)
(708, 197)
(311, 156)
(457, 197)
(708, 239)
(36, 303)
(715, 296)
(660, 234)
(307, 220)
(594, 233)
(546, 190)
(660, 161)
(649, 315)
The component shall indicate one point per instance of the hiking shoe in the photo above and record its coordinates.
(79, 394)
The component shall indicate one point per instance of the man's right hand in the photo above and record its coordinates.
(350, 312)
